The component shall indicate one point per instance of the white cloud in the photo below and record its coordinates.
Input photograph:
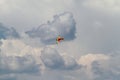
(101, 67)
(16, 64)
(63, 25)
(87, 60)
(16, 47)
(17, 57)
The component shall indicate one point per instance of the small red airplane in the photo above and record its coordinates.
(58, 39)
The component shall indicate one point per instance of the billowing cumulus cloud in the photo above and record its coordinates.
(106, 71)
(101, 67)
(103, 74)
(17, 64)
(52, 59)
(15, 47)
(17, 57)
(70, 63)
(87, 60)
(8, 32)
(63, 25)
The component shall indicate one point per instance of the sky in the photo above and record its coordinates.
(28, 32)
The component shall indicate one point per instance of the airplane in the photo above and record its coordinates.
(58, 39)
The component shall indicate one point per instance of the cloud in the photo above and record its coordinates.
(17, 64)
(8, 32)
(17, 57)
(101, 66)
(16, 47)
(87, 60)
(53, 60)
(63, 25)
(102, 73)
(70, 63)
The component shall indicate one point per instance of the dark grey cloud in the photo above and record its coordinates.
(8, 32)
(17, 64)
(52, 59)
(63, 25)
